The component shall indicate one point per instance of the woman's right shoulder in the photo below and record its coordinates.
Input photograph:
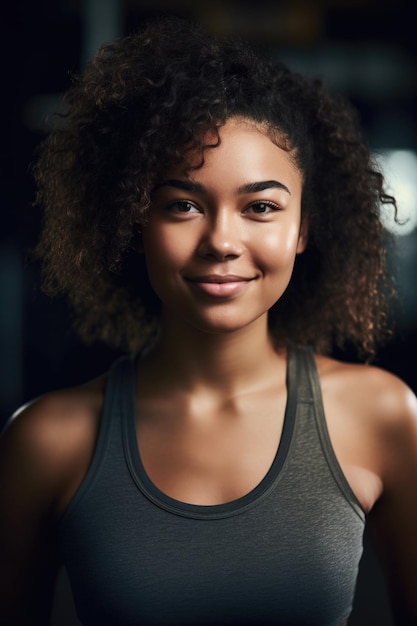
(47, 445)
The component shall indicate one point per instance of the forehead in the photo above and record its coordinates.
(242, 149)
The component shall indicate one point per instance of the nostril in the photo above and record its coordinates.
(220, 249)
(218, 255)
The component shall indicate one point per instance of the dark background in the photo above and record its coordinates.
(365, 49)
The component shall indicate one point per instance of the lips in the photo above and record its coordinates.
(219, 286)
(219, 279)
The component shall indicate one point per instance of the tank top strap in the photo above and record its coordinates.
(313, 421)
(118, 397)
(300, 381)
(120, 387)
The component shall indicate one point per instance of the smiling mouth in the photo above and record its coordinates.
(219, 286)
(219, 279)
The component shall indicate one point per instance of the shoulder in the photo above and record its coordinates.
(377, 411)
(47, 444)
(371, 415)
(52, 423)
(375, 392)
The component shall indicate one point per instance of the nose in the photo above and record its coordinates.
(222, 238)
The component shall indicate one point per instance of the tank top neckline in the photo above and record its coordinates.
(215, 511)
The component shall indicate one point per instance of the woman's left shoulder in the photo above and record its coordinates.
(375, 393)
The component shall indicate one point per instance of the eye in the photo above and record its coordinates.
(262, 208)
(183, 206)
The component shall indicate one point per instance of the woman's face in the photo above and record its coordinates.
(221, 240)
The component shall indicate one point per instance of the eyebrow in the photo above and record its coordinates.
(194, 187)
(261, 186)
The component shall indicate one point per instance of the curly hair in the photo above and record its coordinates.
(141, 104)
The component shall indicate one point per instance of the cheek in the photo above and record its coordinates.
(159, 251)
(279, 248)
(167, 246)
(165, 256)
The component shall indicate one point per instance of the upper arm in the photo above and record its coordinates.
(41, 454)
(393, 520)
(27, 541)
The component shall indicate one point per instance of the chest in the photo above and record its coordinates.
(217, 454)
(213, 454)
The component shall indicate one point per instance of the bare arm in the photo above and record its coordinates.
(393, 520)
(28, 559)
(44, 454)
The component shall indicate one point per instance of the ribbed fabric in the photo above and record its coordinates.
(287, 553)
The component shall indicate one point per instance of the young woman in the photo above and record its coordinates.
(218, 216)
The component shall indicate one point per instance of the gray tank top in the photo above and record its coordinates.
(286, 553)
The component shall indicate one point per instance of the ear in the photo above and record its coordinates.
(303, 236)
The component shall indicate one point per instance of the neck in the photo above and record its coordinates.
(226, 361)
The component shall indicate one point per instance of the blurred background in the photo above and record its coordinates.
(366, 49)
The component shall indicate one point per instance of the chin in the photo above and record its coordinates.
(226, 325)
